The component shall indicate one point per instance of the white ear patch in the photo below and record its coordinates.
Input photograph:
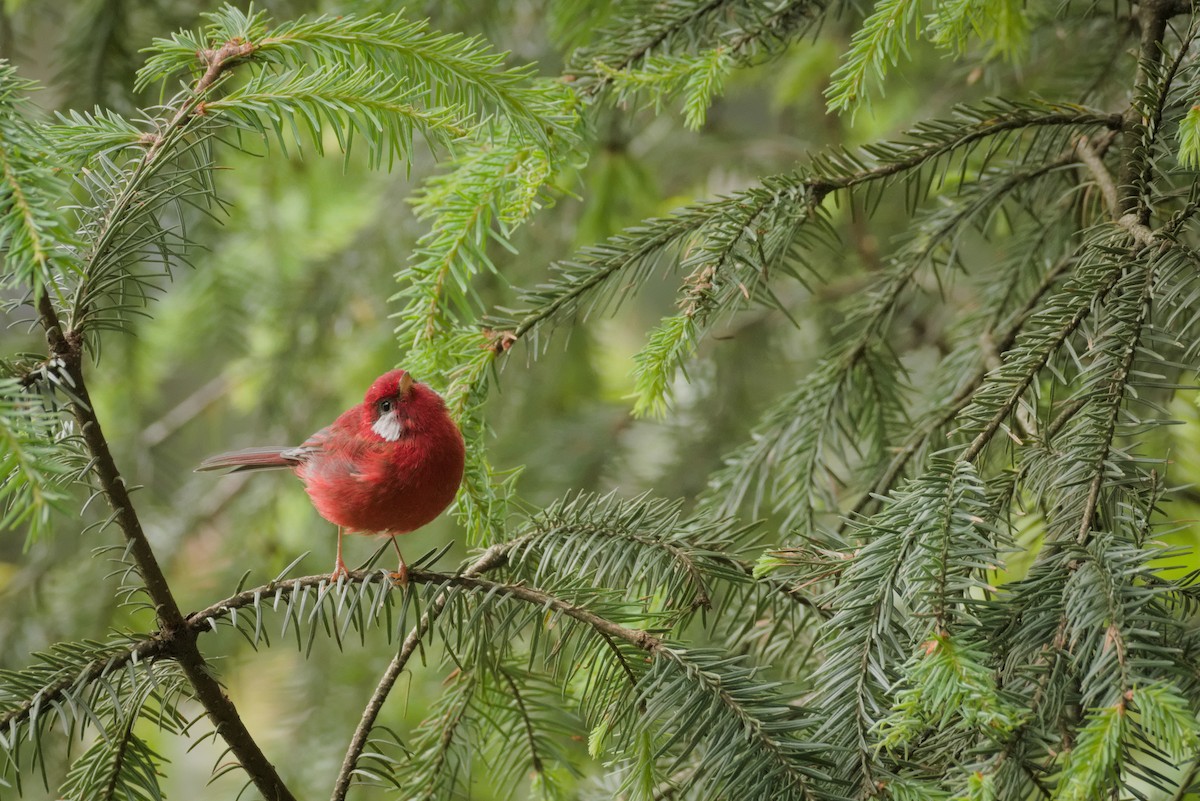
(389, 427)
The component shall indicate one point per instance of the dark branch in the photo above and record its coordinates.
(177, 638)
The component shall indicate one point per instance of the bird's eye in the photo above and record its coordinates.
(385, 406)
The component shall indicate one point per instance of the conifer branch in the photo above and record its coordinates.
(1152, 16)
(1104, 179)
(161, 144)
(492, 558)
(1115, 396)
(112, 660)
(67, 346)
(949, 411)
(643, 640)
(804, 191)
(658, 35)
(176, 635)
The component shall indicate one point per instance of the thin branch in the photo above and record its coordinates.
(816, 187)
(1140, 232)
(493, 557)
(650, 44)
(641, 639)
(177, 637)
(923, 432)
(217, 62)
(1091, 159)
(145, 650)
(534, 759)
(1116, 396)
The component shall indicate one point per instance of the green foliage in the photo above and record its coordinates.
(438, 71)
(358, 104)
(33, 237)
(947, 370)
(948, 685)
(699, 78)
(885, 39)
(954, 23)
(1092, 764)
(121, 763)
(882, 41)
(1189, 139)
(36, 460)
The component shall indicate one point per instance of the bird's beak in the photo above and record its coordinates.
(406, 382)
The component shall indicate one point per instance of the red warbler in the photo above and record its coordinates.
(389, 465)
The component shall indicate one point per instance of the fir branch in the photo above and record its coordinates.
(869, 637)
(1130, 337)
(951, 409)
(443, 70)
(66, 670)
(786, 445)
(1042, 338)
(626, 259)
(35, 460)
(359, 103)
(880, 42)
(1097, 274)
(726, 692)
(33, 233)
(1144, 112)
(80, 135)
(126, 209)
(453, 69)
(67, 348)
(491, 559)
(742, 31)
(641, 544)
(66, 345)
(119, 764)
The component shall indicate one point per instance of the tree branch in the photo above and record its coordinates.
(962, 398)
(1091, 159)
(1115, 397)
(492, 558)
(177, 638)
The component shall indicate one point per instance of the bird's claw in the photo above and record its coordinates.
(401, 576)
(339, 570)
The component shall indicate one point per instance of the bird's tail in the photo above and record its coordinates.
(266, 458)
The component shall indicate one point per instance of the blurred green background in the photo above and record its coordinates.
(285, 319)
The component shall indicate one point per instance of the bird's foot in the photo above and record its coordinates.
(339, 570)
(400, 577)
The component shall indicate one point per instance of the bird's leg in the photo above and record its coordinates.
(401, 575)
(339, 567)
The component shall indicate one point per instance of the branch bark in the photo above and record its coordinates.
(176, 636)
(66, 347)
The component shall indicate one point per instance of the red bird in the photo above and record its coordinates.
(388, 465)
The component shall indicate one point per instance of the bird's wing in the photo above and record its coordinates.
(330, 454)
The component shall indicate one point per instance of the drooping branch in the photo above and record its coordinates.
(921, 434)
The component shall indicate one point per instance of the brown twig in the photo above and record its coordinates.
(176, 638)
(1108, 188)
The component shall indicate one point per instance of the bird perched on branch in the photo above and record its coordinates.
(389, 465)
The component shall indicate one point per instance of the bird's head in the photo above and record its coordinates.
(396, 406)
